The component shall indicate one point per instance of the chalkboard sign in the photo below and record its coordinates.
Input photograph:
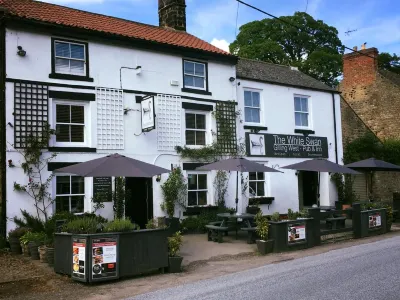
(103, 186)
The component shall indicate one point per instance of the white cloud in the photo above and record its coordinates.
(222, 44)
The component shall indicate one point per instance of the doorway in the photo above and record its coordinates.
(139, 205)
(308, 188)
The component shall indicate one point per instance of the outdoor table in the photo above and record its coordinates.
(245, 217)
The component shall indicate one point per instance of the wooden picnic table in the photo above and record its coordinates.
(245, 217)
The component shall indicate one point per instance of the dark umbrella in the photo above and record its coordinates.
(238, 165)
(320, 165)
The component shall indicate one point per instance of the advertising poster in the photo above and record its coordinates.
(375, 220)
(78, 258)
(104, 257)
(296, 233)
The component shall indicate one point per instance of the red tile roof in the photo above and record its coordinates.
(60, 15)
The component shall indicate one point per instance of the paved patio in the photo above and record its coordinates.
(195, 247)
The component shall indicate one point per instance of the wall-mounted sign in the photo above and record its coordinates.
(285, 145)
(296, 233)
(104, 258)
(78, 258)
(102, 188)
(148, 114)
(375, 220)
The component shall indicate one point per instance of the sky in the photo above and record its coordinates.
(376, 22)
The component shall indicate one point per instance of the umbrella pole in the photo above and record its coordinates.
(318, 188)
(237, 190)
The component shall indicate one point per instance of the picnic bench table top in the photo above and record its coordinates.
(236, 216)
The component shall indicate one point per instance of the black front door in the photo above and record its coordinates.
(139, 206)
(310, 188)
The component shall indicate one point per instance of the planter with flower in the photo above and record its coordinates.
(34, 240)
(264, 245)
(13, 239)
(174, 260)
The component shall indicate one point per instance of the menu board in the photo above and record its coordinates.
(296, 233)
(104, 257)
(375, 220)
(102, 186)
(78, 257)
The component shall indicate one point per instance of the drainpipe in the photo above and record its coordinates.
(3, 202)
(334, 126)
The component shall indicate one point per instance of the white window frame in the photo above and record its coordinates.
(86, 128)
(199, 190)
(67, 195)
(260, 108)
(309, 106)
(193, 75)
(69, 58)
(266, 180)
(207, 130)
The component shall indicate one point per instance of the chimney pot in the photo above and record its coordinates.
(172, 14)
(363, 46)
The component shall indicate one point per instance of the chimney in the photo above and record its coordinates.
(359, 68)
(172, 14)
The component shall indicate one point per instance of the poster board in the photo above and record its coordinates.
(79, 259)
(104, 256)
(374, 220)
(148, 114)
(296, 233)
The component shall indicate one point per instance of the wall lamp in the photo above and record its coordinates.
(232, 79)
(158, 178)
(21, 52)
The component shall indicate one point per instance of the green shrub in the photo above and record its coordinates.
(154, 224)
(262, 226)
(120, 225)
(99, 218)
(292, 215)
(18, 232)
(174, 244)
(205, 218)
(303, 213)
(275, 217)
(191, 224)
(39, 237)
(85, 225)
(29, 221)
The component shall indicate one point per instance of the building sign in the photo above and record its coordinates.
(375, 220)
(285, 145)
(102, 188)
(148, 114)
(104, 258)
(78, 258)
(296, 233)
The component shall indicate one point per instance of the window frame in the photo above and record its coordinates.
(70, 194)
(266, 185)
(206, 130)
(198, 190)
(193, 88)
(309, 113)
(260, 107)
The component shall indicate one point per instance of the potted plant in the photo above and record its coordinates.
(292, 215)
(276, 217)
(13, 239)
(263, 244)
(120, 225)
(34, 240)
(50, 251)
(85, 225)
(42, 253)
(174, 245)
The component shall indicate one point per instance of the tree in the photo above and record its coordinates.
(389, 62)
(311, 45)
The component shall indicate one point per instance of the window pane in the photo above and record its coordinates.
(247, 114)
(256, 99)
(77, 134)
(200, 121)
(77, 114)
(297, 104)
(202, 181)
(62, 65)
(297, 119)
(304, 104)
(255, 115)
(62, 204)
(252, 188)
(202, 198)
(199, 82)
(63, 114)
(189, 67)
(304, 120)
(77, 66)
(77, 185)
(260, 189)
(260, 176)
(200, 138)
(191, 121)
(189, 80)
(200, 70)
(252, 176)
(63, 185)
(190, 137)
(192, 182)
(62, 49)
(77, 204)
(62, 133)
(192, 198)
(77, 51)
(247, 98)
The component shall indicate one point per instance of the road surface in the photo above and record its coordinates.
(369, 271)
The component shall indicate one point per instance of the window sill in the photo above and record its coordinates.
(255, 127)
(194, 91)
(304, 131)
(73, 149)
(70, 77)
(261, 200)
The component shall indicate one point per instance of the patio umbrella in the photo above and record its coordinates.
(238, 165)
(320, 165)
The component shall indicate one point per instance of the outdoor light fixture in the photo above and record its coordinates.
(10, 163)
(9, 124)
(158, 178)
(21, 52)
(232, 79)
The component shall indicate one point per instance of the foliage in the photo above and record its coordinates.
(344, 186)
(363, 147)
(312, 46)
(292, 215)
(262, 226)
(119, 197)
(389, 62)
(174, 244)
(152, 224)
(29, 221)
(174, 191)
(120, 225)
(39, 237)
(191, 224)
(35, 167)
(50, 225)
(18, 232)
(98, 200)
(303, 213)
(84, 225)
(275, 217)
(221, 187)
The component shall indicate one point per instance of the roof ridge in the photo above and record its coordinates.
(266, 62)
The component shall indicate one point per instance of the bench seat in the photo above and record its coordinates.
(215, 233)
(251, 234)
(335, 223)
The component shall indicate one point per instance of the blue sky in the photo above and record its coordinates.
(377, 21)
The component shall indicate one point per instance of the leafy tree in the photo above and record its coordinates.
(390, 62)
(311, 45)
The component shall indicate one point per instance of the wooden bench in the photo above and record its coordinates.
(251, 234)
(215, 233)
(335, 222)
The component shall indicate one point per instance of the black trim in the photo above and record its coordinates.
(334, 126)
(258, 128)
(261, 200)
(195, 106)
(52, 166)
(72, 96)
(72, 149)
(55, 75)
(304, 131)
(191, 166)
(139, 99)
(54, 84)
(194, 91)
(190, 90)
(3, 200)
